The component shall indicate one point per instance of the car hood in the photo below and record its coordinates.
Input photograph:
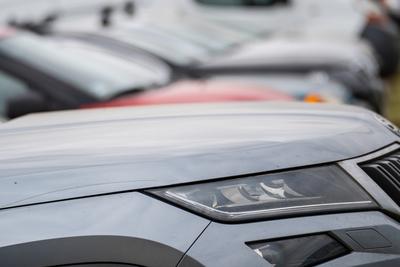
(65, 155)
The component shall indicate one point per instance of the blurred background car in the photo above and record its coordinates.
(350, 19)
(309, 56)
(46, 73)
(57, 75)
(350, 63)
(184, 52)
(194, 69)
(290, 41)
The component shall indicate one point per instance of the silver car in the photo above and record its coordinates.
(201, 185)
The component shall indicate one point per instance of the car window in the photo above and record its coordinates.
(10, 87)
(99, 74)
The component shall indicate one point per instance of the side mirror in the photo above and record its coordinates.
(29, 102)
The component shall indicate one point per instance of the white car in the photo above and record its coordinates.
(273, 15)
(339, 19)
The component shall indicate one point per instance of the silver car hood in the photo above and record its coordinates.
(73, 154)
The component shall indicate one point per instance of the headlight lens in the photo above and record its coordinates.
(319, 189)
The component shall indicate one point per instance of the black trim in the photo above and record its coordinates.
(329, 234)
(385, 171)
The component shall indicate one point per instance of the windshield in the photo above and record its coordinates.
(98, 74)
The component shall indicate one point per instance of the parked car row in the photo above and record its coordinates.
(307, 176)
(156, 50)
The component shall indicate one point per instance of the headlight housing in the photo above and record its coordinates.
(295, 192)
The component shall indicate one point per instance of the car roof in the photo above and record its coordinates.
(63, 155)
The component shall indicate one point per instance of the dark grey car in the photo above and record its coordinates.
(200, 185)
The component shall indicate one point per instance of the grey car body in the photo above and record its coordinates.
(72, 183)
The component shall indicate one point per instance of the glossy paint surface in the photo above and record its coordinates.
(81, 153)
(127, 228)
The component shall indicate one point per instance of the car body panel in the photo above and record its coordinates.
(73, 154)
(112, 228)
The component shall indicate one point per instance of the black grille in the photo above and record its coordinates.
(385, 171)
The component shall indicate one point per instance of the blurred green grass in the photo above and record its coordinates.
(393, 112)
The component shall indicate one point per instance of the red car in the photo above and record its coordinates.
(195, 92)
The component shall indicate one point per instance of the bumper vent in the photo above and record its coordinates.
(385, 171)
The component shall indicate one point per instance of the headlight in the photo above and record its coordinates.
(302, 191)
